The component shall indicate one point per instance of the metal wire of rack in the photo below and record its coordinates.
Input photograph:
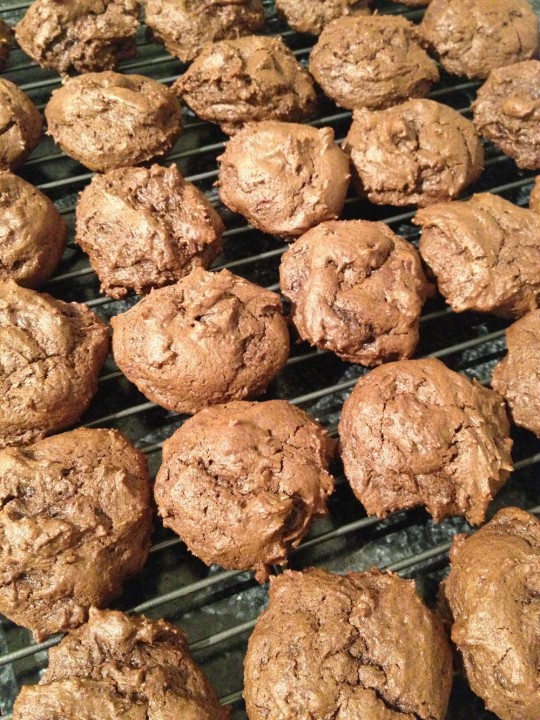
(218, 608)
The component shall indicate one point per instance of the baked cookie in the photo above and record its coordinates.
(472, 38)
(283, 177)
(356, 289)
(33, 234)
(121, 667)
(186, 26)
(419, 152)
(74, 36)
(6, 38)
(493, 594)
(20, 125)
(310, 16)
(51, 353)
(108, 120)
(234, 82)
(372, 62)
(75, 523)
(414, 433)
(211, 338)
(507, 112)
(241, 483)
(145, 228)
(485, 254)
(332, 646)
(517, 376)
(534, 198)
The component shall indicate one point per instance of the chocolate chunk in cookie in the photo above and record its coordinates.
(311, 16)
(20, 125)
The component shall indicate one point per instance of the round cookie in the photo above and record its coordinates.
(186, 26)
(253, 78)
(283, 177)
(79, 35)
(332, 646)
(372, 62)
(472, 38)
(108, 120)
(51, 353)
(6, 38)
(419, 152)
(517, 376)
(145, 228)
(33, 234)
(485, 254)
(75, 523)
(356, 289)
(310, 16)
(493, 594)
(211, 338)
(414, 433)
(241, 483)
(507, 112)
(20, 125)
(534, 198)
(121, 667)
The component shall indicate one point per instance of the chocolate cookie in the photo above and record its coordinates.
(6, 38)
(283, 177)
(241, 483)
(414, 433)
(33, 234)
(75, 523)
(120, 667)
(108, 120)
(356, 289)
(507, 112)
(310, 16)
(145, 228)
(70, 35)
(20, 125)
(472, 38)
(419, 152)
(494, 594)
(534, 198)
(211, 338)
(517, 376)
(186, 26)
(51, 353)
(485, 254)
(234, 82)
(372, 62)
(332, 646)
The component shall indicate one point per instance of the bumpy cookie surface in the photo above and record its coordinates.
(20, 125)
(6, 38)
(534, 199)
(310, 16)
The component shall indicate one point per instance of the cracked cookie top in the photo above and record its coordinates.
(311, 16)
(414, 433)
(20, 125)
(75, 522)
(240, 483)
(361, 645)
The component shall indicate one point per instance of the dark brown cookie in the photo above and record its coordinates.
(108, 120)
(419, 152)
(51, 353)
(507, 112)
(186, 26)
(472, 38)
(493, 591)
(485, 254)
(87, 36)
(145, 228)
(356, 289)
(20, 125)
(120, 667)
(6, 38)
(311, 16)
(414, 433)
(517, 376)
(283, 177)
(534, 199)
(75, 523)
(241, 483)
(361, 645)
(211, 338)
(372, 62)
(234, 82)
